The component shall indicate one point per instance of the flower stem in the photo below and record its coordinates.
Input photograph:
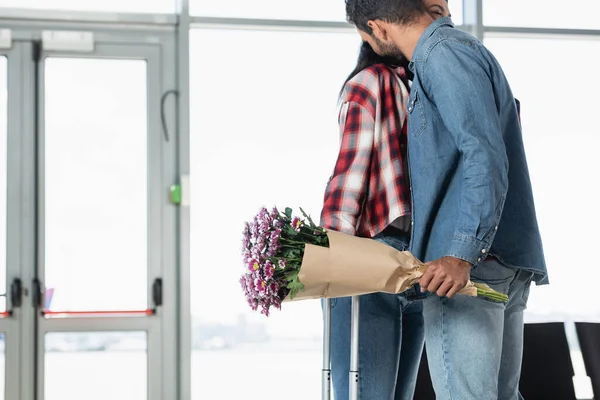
(291, 241)
(492, 295)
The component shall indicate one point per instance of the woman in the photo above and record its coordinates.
(368, 195)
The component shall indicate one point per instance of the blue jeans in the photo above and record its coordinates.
(474, 346)
(391, 339)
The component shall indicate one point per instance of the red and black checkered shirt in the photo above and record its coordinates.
(369, 187)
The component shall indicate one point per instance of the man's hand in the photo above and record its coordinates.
(446, 276)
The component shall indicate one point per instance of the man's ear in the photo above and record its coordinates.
(380, 30)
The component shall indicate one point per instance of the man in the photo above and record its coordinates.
(372, 120)
(473, 211)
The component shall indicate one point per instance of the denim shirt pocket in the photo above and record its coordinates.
(416, 115)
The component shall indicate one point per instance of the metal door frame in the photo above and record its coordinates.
(157, 45)
(10, 324)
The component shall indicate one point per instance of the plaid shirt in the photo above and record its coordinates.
(369, 187)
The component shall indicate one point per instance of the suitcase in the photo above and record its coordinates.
(326, 371)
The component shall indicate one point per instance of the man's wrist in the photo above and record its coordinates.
(461, 262)
(468, 249)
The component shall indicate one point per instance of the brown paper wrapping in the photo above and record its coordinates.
(353, 266)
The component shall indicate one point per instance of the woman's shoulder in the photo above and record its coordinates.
(371, 81)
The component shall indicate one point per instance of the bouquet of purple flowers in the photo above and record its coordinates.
(273, 249)
(288, 258)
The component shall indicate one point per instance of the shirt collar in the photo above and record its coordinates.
(435, 25)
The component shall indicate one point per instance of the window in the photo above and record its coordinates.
(264, 132)
(325, 10)
(319, 10)
(456, 9)
(135, 6)
(578, 14)
(96, 184)
(97, 361)
(559, 109)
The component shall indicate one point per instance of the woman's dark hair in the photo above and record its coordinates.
(367, 57)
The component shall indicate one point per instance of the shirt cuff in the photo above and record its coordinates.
(469, 249)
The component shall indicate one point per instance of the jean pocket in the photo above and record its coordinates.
(527, 289)
(495, 275)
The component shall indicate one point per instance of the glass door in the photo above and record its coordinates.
(88, 266)
(100, 206)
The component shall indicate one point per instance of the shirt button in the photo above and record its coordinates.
(410, 109)
(479, 259)
(483, 251)
(496, 228)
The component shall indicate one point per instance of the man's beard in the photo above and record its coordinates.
(389, 50)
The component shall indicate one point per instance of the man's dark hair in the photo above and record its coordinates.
(402, 12)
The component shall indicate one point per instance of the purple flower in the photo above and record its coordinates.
(253, 303)
(274, 243)
(262, 212)
(265, 226)
(265, 310)
(274, 213)
(253, 265)
(277, 303)
(254, 227)
(246, 256)
(269, 269)
(250, 290)
(281, 263)
(296, 224)
(260, 285)
(257, 253)
(261, 240)
(263, 288)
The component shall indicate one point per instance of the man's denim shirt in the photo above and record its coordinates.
(472, 194)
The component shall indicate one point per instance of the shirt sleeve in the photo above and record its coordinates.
(347, 188)
(456, 77)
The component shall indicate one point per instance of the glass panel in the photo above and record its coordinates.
(559, 113)
(309, 10)
(3, 176)
(96, 366)
(313, 10)
(577, 14)
(96, 184)
(135, 6)
(278, 149)
(456, 9)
